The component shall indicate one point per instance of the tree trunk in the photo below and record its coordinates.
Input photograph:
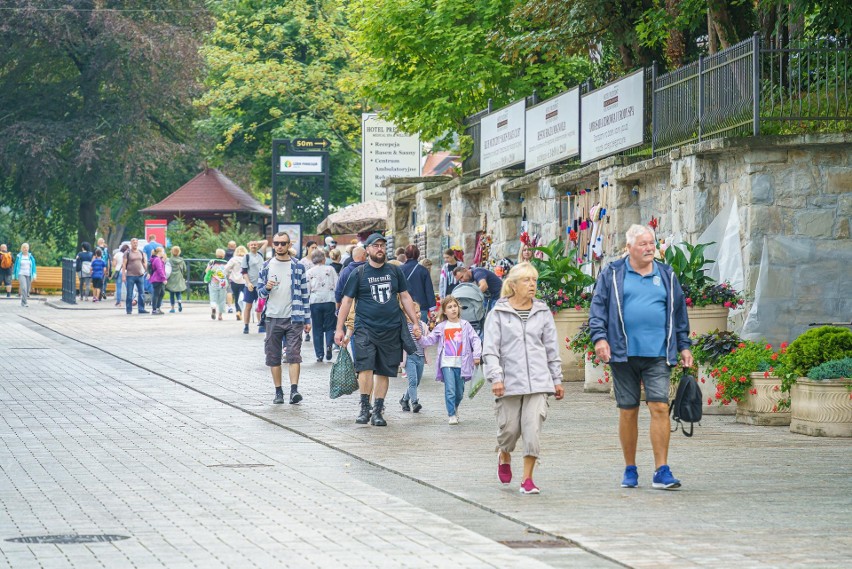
(675, 44)
(87, 223)
(712, 37)
(721, 18)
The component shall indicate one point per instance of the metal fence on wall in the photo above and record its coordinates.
(744, 90)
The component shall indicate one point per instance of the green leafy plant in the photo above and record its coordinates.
(708, 348)
(562, 283)
(690, 266)
(834, 369)
(733, 370)
(817, 346)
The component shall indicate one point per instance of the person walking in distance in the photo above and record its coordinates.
(118, 263)
(285, 288)
(158, 279)
(251, 265)
(638, 325)
(447, 279)
(6, 262)
(217, 283)
(24, 272)
(379, 288)
(133, 270)
(176, 282)
(322, 280)
(522, 363)
(99, 272)
(419, 281)
(234, 270)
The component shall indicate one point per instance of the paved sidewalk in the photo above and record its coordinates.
(142, 445)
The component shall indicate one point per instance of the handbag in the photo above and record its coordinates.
(477, 381)
(408, 343)
(343, 378)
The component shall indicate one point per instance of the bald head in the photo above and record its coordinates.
(359, 254)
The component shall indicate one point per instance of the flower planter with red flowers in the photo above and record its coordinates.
(568, 323)
(762, 403)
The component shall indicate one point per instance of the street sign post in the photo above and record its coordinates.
(286, 162)
(321, 144)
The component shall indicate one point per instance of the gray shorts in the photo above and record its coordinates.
(654, 373)
(279, 330)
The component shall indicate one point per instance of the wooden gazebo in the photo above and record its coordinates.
(212, 197)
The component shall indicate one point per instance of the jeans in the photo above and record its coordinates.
(453, 388)
(157, 297)
(217, 296)
(236, 290)
(414, 371)
(324, 323)
(173, 296)
(139, 283)
(119, 289)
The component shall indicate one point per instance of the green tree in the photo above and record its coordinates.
(95, 108)
(430, 64)
(283, 70)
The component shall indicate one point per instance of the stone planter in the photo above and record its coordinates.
(708, 393)
(821, 408)
(568, 323)
(598, 379)
(707, 319)
(758, 409)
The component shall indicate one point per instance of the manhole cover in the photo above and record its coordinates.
(537, 544)
(239, 465)
(69, 538)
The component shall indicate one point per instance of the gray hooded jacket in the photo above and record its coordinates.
(524, 356)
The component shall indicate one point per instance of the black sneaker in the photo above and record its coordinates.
(404, 403)
(328, 353)
(245, 329)
(308, 337)
(416, 406)
(279, 397)
(295, 397)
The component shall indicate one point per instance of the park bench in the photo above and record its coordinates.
(49, 279)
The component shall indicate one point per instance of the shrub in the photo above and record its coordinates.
(834, 369)
(708, 348)
(817, 346)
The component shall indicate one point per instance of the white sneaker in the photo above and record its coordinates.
(454, 420)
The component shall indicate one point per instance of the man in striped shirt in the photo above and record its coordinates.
(283, 283)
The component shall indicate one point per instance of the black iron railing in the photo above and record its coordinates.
(69, 281)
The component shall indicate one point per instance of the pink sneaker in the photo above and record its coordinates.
(528, 487)
(504, 471)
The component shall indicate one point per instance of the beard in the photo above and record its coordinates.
(378, 257)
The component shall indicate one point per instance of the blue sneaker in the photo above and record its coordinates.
(664, 480)
(631, 477)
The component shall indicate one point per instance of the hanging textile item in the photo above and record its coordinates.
(477, 252)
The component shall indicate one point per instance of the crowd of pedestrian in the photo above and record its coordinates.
(384, 311)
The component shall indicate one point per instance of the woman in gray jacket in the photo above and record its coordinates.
(522, 363)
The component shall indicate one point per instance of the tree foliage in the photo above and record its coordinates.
(94, 107)
(284, 70)
(431, 63)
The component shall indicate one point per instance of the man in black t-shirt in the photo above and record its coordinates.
(378, 324)
(489, 283)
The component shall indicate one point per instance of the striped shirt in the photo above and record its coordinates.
(524, 314)
(300, 310)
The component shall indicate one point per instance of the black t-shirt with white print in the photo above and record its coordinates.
(376, 293)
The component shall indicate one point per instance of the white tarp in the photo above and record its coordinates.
(724, 233)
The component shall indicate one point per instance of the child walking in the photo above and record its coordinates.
(98, 269)
(458, 353)
(414, 367)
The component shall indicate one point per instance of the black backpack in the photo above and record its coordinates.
(687, 404)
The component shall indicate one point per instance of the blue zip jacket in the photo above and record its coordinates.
(606, 317)
(17, 267)
(419, 284)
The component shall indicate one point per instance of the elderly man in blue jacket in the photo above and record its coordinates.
(638, 324)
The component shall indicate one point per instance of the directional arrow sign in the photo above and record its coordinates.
(311, 144)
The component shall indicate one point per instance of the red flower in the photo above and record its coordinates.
(775, 408)
(689, 302)
(766, 374)
(578, 307)
(741, 345)
(653, 223)
(727, 304)
(600, 381)
(734, 351)
(775, 388)
(724, 369)
(753, 391)
(710, 400)
(742, 379)
(768, 346)
(702, 380)
(773, 357)
(558, 303)
(740, 301)
(783, 345)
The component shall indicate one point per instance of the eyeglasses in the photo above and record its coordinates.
(280, 243)
(380, 245)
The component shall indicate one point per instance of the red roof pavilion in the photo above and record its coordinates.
(211, 197)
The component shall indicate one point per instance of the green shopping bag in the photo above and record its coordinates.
(477, 381)
(344, 381)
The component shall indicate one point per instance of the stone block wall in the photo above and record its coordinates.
(797, 186)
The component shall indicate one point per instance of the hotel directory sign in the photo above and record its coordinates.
(613, 118)
(502, 138)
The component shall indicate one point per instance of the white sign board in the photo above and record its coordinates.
(552, 130)
(385, 153)
(613, 117)
(502, 138)
(300, 164)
